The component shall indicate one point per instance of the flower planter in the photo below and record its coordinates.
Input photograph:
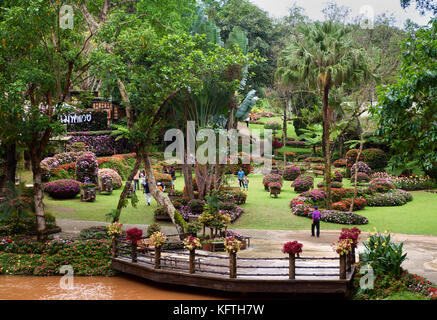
(274, 193)
(88, 195)
(219, 246)
(105, 185)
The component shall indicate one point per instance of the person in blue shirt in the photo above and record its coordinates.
(241, 175)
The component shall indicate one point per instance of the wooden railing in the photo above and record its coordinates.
(233, 266)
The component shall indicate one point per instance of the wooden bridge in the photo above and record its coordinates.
(302, 275)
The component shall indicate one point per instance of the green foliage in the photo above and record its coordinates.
(180, 220)
(154, 227)
(406, 109)
(384, 256)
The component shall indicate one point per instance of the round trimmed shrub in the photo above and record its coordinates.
(117, 182)
(290, 173)
(87, 167)
(362, 167)
(303, 183)
(62, 189)
(340, 163)
(361, 177)
(375, 158)
(337, 176)
(271, 178)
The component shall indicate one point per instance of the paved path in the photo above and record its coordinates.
(421, 250)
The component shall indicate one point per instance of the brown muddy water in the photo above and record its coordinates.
(95, 288)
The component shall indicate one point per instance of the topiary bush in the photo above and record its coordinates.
(375, 158)
(87, 167)
(62, 189)
(361, 177)
(290, 173)
(115, 163)
(337, 176)
(303, 183)
(362, 167)
(271, 178)
(351, 157)
(116, 179)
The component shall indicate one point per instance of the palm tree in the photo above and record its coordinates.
(323, 57)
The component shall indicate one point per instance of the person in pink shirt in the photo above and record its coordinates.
(137, 181)
(316, 221)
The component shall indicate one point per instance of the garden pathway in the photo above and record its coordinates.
(421, 250)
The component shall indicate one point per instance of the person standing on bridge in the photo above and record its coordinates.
(316, 221)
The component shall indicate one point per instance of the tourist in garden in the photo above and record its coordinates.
(246, 183)
(316, 221)
(147, 192)
(173, 176)
(142, 179)
(137, 180)
(241, 175)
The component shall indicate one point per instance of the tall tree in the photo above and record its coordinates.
(407, 109)
(322, 56)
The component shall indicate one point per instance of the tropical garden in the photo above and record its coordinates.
(350, 114)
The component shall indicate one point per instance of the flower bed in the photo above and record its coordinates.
(62, 189)
(332, 216)
(389, 199)
(26, 256)
(344, 205)
(381, 185)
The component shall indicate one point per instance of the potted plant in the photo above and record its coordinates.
(157, 239)
(293, 248)
(134, 235)
(275, 188)
(191, 244)
(105, 183)
(232, 246)
(88, 192)
(114, 231)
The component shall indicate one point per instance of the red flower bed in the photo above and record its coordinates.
(345, 204)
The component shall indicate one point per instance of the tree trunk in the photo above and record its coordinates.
(38, 196)
(157, 194)
(188, 179)
(11, 162)
(326, 123)
(127, 186)
(356, 172)
(284, 132)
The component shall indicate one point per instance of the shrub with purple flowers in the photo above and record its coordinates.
(62, 189)
(303, 183)
(362, 167)
(290, 173)
(271, 178)
(87, 167)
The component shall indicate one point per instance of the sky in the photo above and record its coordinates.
(279, 8)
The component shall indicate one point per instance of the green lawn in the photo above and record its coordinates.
(290, 128)
(263, 212)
